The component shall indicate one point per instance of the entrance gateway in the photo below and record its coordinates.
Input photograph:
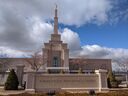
(57, 76)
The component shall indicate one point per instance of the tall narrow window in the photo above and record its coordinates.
(55, 62)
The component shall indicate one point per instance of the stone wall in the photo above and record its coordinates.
(67, 82)
(90, 64)
(3, 77)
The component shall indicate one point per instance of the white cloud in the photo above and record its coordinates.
(85, 11)
(41, 32)
(6, 52)
(96, 51)
(72, 38)
(118, 55)
(23, 22)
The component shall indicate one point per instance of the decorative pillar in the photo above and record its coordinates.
(102, 79)
(31, 83)
(20, 73)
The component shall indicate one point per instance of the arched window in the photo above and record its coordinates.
(55, 62)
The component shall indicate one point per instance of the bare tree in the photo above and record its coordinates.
(36, 61)
(4, 62)
(123, 65)
(78, 63)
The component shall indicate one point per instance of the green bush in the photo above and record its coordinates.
(112, 82)
(61, 72)
(92, 92)
(12, 81)
(80, 71)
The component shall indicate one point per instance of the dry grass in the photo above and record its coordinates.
(112, 93)
(26, 94)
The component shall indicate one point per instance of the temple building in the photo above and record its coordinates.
(56, 53)
(56, 56)
(60, 72)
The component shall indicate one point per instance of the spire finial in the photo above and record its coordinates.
(56, 6)
(56, 21)
(55, 10)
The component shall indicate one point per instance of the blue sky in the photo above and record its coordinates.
(112, 33)
(115, 36)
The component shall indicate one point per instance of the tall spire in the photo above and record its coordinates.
(56, 22)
